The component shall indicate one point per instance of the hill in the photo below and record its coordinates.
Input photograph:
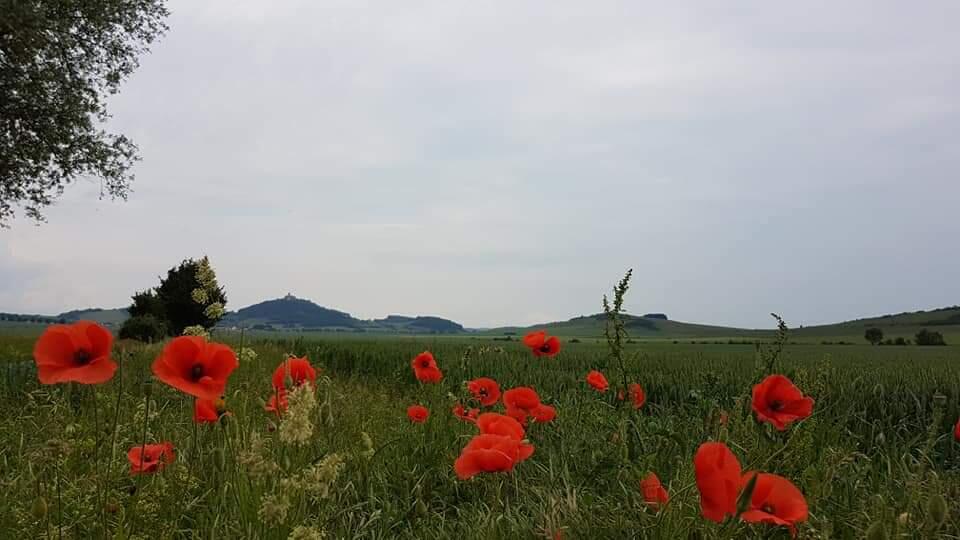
(106, 317)
(292, 313)
(649, 326)
(289, 312)
(656, 326)
(944, 320)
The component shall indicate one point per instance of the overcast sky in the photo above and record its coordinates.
(506, 162)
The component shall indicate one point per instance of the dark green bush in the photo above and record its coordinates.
(145, 328)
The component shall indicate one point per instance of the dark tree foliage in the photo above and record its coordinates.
(175, 295)
(146, 303)
(926, 337)
(146, 328)
(873, 335)
(59, 59)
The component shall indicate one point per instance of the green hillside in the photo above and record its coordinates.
(638, 327)
(905, 325)
(108, 317)
(298, 314)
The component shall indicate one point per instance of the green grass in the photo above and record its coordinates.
(877, 446)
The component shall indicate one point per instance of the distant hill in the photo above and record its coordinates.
(944, 320)
(653, 325)
(656, 326)
(106, 317)
(292, 313)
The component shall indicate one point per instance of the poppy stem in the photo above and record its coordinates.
(143, 451)
(96, 461)
(59, 503)
(116, 412)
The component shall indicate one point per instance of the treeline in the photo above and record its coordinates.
(923, 338)
(39, 319)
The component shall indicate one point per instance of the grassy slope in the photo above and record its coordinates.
(946, 321)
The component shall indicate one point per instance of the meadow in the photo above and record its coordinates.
(877, 453)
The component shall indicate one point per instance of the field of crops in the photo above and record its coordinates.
(877, 453)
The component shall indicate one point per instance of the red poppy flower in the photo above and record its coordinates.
(424, 360)
(79, 352)
(487, 453)
(637, 396)
(195, 366)
(956, 431)
(543, 414)
(425, 368)
(776, 501)
(485, 390)
(718, 479)
(523, 398)
(597, 381)
(542, 345)
(506, 426)
(429, 376)
(778, 401)
(299, 370)
(521, 402)
(517, 414)
(654, 494)
(418, 414)
(466, 415)
(278, 402)
(205, 411)
(150, 458)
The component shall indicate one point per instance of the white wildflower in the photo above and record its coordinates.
(274, 508)
(214, 311)
(302, 532)
(318, 479)
(247, 355)
(297, 425)
(196, 330)
(256, 458)
(199, 296)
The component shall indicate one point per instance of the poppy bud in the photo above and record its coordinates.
(421, 508)
(271, 427)
(147, 388)
(880, 439)
(39, 508)
(937, 510)
(876, 532)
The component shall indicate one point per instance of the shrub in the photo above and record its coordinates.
(146, 328)
(873, 335)
(926, 337)
(188, 296)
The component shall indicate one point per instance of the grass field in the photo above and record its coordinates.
(877, 449)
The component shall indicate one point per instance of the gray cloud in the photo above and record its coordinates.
(504, 163)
